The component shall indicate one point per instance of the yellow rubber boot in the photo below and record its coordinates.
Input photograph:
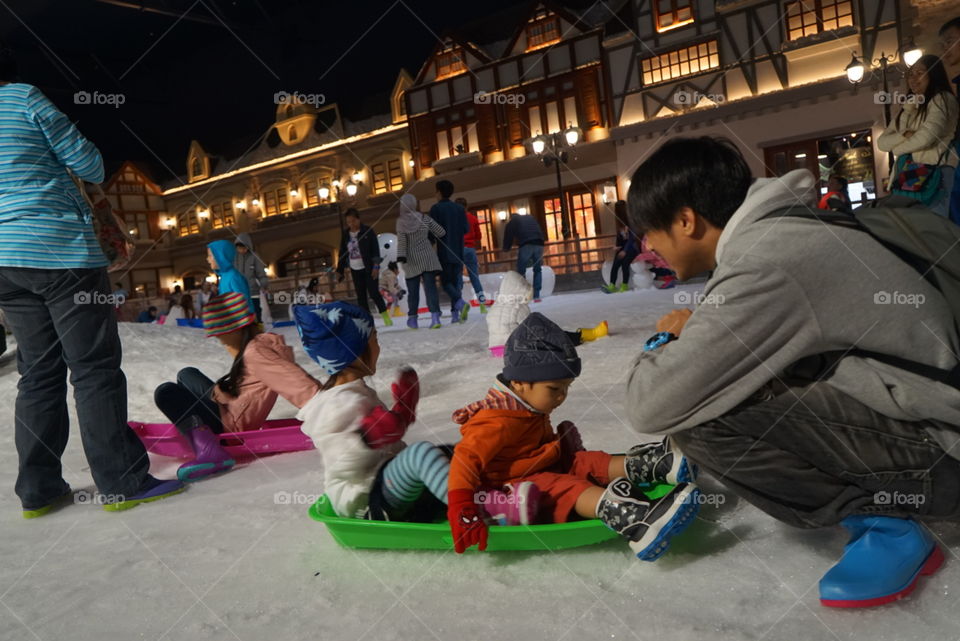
(592, 334)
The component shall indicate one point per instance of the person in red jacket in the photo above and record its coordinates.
(471, 243)
(507, 439)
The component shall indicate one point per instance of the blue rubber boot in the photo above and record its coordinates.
(882, 562)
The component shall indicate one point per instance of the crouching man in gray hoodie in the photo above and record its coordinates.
(763, 384)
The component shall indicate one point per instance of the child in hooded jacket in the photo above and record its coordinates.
(221, 256)
(507, 439)
(263, 369)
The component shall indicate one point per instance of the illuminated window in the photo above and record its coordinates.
(189, 223)
(311, 194)
(221, 214)
(485, 216)
(809, 17)
(680, 62)
(673, 13)
(197, 166)
(292, 133)
(395, 173)
(543, 29)
(456, 132)
(275, 201)
(450, 63)
(387, 176)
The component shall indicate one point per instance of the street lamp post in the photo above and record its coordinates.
(551, 148)
(339, 185)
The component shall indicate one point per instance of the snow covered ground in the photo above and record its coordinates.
(226, 560)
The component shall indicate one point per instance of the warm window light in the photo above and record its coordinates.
(502, 214)
(854, 70)
(324, 192)
(357, 176)
(351, 189)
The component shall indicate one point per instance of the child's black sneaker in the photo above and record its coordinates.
(659, 462)
(648, 524)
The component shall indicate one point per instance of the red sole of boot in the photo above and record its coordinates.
(929, 567)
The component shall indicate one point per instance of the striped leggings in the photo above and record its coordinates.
(420, 466)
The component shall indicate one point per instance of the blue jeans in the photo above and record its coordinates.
(473, 271)
(429, 288)
(60, 324)
(451, 277)
(526, 255)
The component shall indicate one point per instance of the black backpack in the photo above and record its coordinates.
(926, 241)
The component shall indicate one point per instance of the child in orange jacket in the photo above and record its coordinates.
(508, 439)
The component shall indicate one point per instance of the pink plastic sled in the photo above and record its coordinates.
(280, 435)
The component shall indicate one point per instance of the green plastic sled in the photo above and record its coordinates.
(398, 535)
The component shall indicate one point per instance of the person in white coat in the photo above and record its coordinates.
(925, 127)
(369, 472)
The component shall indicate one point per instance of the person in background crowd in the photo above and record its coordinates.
(360, 251)
(526, 230)
(419, 258)
(148, 315)
(950, 42)
(54, 289)
(251, 267)
(471, 243)
(453, 218)
(174, 298)
(837, 197)
(925, 127)
(626, 251)
(390, 288)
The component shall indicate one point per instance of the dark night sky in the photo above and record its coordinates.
(193, 77)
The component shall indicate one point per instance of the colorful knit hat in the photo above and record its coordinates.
(227, 313)
(333, 334)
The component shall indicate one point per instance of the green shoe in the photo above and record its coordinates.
(464, 311)
(49, 507)
(483, 308)
(625, 287)
(387, 321)
(610, 288)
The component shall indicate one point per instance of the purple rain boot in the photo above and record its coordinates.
(210, 457)
(412, 322)
(435, 320)
(516, 504)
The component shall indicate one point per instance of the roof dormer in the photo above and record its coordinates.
(198, 162)
(296, 116)
(398, 103)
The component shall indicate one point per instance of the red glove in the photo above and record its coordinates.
(466, 522)
(570, 443)
(382, 426)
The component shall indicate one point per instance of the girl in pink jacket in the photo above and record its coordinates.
(661, 270)
(263, 368)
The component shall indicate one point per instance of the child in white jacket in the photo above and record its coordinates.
(368, 470)
(512, 305)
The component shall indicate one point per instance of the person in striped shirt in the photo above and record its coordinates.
(55, 293)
